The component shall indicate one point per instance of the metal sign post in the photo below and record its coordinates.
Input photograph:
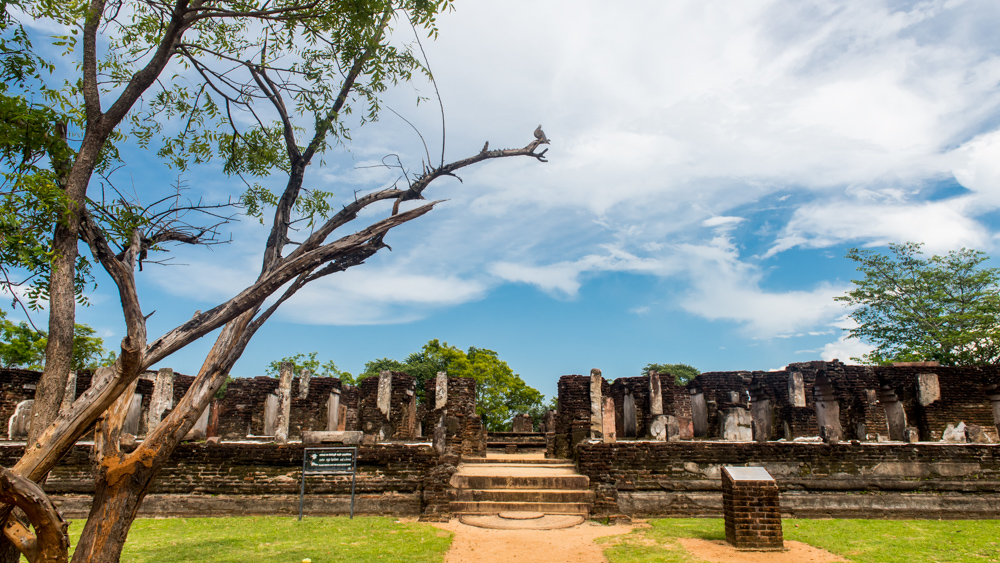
(328, 461)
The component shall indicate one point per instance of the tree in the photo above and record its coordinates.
(500, 393)
(942, 308)
(345, 40)
(301, 361)
(21, 346)
(682, 373)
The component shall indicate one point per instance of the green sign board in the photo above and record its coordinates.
(318, 461)
(329, 460)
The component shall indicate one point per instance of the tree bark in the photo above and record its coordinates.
(120, 487)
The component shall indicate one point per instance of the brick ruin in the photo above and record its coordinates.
(828, 400)
(841, 441)
(384, 408)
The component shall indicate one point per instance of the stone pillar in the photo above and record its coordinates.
(440, 390)
(270, 414)
(70, 395)
(659, 425)
(134, 415)
(596, 405)
(304, 377)
(162, 399)
(384, 399)
(333, 411)
(762, 415)
(213, 419)
(200, 429)
(284, 403)
(699, 414)
(655, 395)
(628, 411)
(751, 510)
(796, 389)
(928, 388)
(608, 420)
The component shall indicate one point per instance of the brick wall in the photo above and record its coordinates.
(683, 478)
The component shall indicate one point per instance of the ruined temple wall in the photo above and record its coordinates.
(400, 424)
(676, 401)
(645, 479)
(464, 429)
(717, 388)
(638, 387)
(223, 479)
(573, 415)
(963, 397)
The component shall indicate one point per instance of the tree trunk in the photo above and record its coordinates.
(62, 319)
(120, 487)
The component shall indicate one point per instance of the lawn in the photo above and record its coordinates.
(280, 538)
(861, 541)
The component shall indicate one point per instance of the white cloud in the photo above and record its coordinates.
(377, 296)
(941, 225)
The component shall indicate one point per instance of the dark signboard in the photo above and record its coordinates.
(326, 461)
(329, 460)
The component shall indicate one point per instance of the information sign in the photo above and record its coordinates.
(328, 461)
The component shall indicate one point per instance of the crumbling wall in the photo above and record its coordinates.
(400, 422)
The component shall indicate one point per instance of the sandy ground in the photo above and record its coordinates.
(569, 545)
(576, 545)
(722, 552)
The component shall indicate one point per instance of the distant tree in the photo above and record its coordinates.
(500, 393)
(538, 411)
(21, 346)
(682, 373)
(302, 361)
(417, 365)
(942, 308)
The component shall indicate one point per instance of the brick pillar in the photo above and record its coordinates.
(750, 507)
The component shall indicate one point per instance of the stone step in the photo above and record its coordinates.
(518, 460)
(522, 495)
(465, 481)
(458, 507)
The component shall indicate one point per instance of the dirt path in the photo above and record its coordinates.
(569, 545)
(576, 545)
(722, 552)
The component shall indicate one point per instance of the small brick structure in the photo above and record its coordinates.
(750, 507)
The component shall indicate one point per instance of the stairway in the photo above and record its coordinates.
(519, 483)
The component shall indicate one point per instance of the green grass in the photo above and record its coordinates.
(861, 541)
(280, 539)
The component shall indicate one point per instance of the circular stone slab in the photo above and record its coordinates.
(520, 515)
(546, 522)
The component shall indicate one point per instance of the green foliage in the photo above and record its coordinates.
(682, 373)
(862, 541)
(310, 362)
(500, 393)
(23, 347)
(370, 539)
(943, 308)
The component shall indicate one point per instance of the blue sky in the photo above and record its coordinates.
(710, 165)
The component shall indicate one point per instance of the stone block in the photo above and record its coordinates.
(18, 423)
(911, 435)
(928, 388)
(954, 433)
(736, 425)
(522, 423)
(796, 389)
(350, 438)
(974, 434)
